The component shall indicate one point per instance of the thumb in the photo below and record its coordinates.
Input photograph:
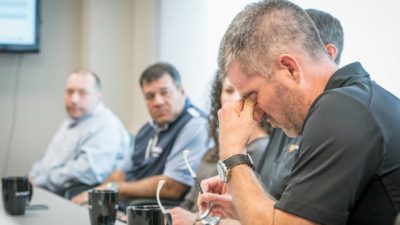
(248, 107)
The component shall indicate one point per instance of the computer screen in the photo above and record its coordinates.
(19, 25)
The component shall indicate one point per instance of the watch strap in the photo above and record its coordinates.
(237, 160)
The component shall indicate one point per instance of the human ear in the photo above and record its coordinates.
(332, 51)
(291, 65)
(182, 90)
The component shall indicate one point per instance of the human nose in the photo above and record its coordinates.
(158, 99)
(75, 97)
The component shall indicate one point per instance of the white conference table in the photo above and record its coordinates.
(60, 211)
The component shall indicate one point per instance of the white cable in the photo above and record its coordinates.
(185, 157)
(159, 186)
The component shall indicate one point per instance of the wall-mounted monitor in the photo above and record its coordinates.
(19, 26)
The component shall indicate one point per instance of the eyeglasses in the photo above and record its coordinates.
(165, 212)
(205, 211)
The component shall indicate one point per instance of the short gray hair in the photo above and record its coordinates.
(87, 72)
(265, 29)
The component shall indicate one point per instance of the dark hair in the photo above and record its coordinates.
(85, 72)
(329, 28)
(215, 97)
(263, 30)
(212, 154)
(156, 71)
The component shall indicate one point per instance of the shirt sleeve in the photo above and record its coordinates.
(193, 137)
(337, 159)
(99, 153)
(127, 164)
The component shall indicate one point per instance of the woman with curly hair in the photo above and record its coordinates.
(222, 91)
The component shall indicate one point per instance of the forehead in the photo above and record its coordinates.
(80, 81)
(164, 82)
(238, 79)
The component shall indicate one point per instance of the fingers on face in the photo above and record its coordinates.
(235, 106)
(249, 104)
(239, 107)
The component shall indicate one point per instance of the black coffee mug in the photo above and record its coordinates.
(145, 215)
(17, 193)
(103, 206)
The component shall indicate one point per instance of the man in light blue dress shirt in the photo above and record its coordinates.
(88, 146)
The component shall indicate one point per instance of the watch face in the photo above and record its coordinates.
(221, 171)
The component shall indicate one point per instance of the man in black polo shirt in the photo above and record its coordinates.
(348, 169)
(282, 151)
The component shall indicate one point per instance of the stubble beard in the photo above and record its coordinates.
(293, 102)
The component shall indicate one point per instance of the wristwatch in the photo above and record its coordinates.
(224, 167)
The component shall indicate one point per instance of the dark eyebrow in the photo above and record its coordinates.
(160, 89)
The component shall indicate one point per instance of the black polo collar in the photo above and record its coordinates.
(342, 75)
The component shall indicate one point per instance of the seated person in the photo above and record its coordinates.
(337, 178)
(88, 146)
(158, 150)
(278, 160)
(222, 91)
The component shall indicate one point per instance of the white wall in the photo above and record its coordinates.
(108, 48)
(145, 52)
(371, 34)
(191, 32)
(182, 42)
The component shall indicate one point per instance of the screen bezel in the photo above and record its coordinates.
(26, 48)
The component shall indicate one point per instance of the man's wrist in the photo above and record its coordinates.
(225, 166)
(112, 186)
